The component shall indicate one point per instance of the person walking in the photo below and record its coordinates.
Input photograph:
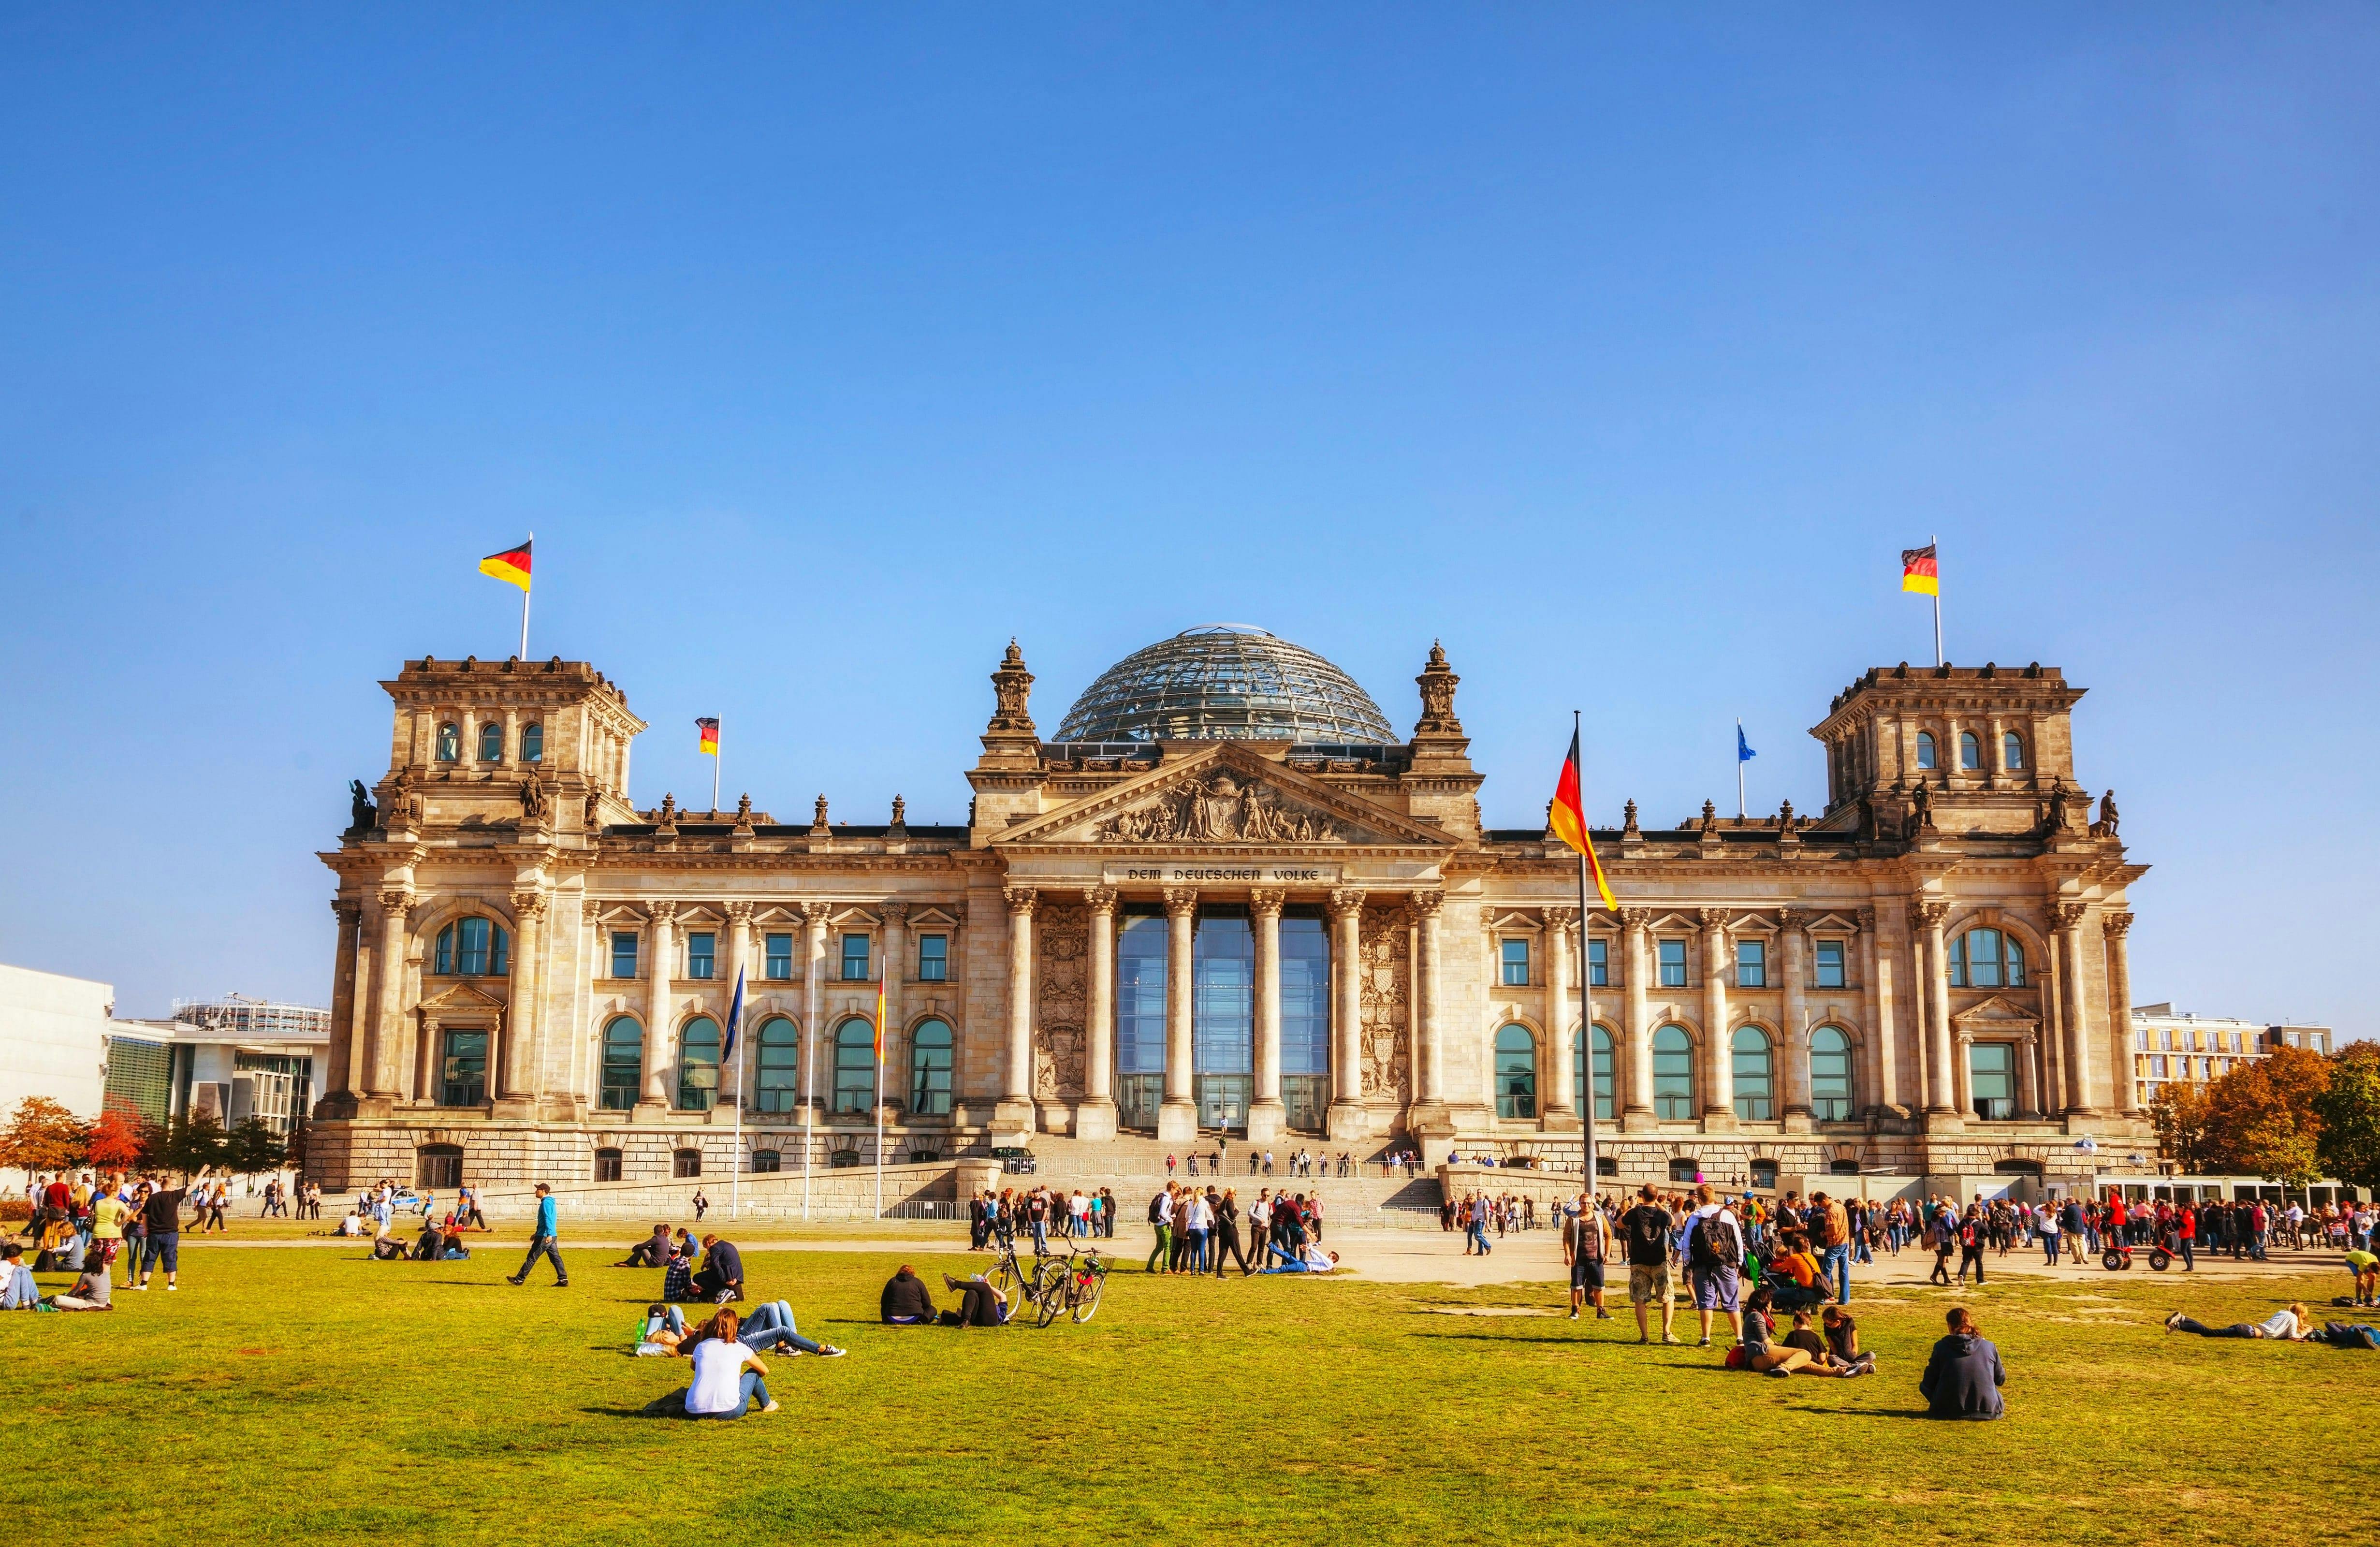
(1227, 1234)
(1713, 1251)
(701, 1205)
(1160, 1220)
(1972, 1236)
(542, 1241)
(1586, 1242)
(1831, 1228)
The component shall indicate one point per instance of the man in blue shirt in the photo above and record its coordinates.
(541, 1242)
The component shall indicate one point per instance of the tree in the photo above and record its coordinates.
(2261, 1118)
(114, 1142)
(254, 1147)
(2179, 1113)
(193, 1144)
(42, 1136)
(2349, 1110)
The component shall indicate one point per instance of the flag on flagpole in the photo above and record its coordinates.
(1743, 753)
(708, 728)
(1919, 570)
(1569, 821)
(734, 1018)
(879, 1023)
(510, 567)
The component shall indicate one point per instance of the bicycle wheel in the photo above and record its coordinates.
(1047, 1304)
(1006, 1278)
(1049, 1277)
(1086, 1303)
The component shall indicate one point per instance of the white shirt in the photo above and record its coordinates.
(718, 1370)
(1082, 1205)
(1201, 1217)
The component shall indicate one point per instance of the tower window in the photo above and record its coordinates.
(1924, 749)
(491, 742)
(533, 741)
(449, 742)
(2012, 750)
(470, 948)
(1971, 751)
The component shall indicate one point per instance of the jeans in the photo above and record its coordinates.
(751, 1391)
(1197, 1251)
(2049, 1249)
(163, 1248)
(542, 1245)
(1479, 1236)
(2188, 1257)
(770, 1326)
(2237, 1328)
(1835, 1264)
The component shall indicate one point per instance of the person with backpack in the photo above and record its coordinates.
(1646, 1230)
(1973, 1235)
(1160, 1220)
(1714, 1253)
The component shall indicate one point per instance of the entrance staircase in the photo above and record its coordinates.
(1133, 1167)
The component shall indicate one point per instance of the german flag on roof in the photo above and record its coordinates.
(1920, 570)
(510, 567)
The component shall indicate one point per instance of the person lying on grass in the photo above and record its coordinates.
(1311, 1259)
(2288, 1326)
(1763, 1355)
(981, 1303)
(767, 1330)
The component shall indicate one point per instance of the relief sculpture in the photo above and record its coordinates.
(1221, 810)
(1387, 964)
(1063, 937)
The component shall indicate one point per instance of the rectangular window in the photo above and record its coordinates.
(1673, 964)
(1304, 993)
(463, 1069)
(855, 958)
(624, 953)
(933, 958)
(2237, 1044)
(780, 959)
(1991, 1075)
(701, 947)
(1516, 963)
(1751, 964)
(1830, 964)
(1958, 955)
(2141, 1041)
(1599, 963)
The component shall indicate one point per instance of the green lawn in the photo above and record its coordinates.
(306, 1395)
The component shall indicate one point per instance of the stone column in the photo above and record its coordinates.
(2028, 1093)
(1017, 1084)
(1940, 1094)
(428, 1088)
(385, 1037)
(2118, 926)
(520, 1075)
(1267, 1118)
(1719, 1061)
(1883, 1063)
(510, 757)
(586, 1042)
(661, 1038)
(2076, 1002)
(1096, 1117)
(1562, 1077)
(1793, 1037)
(1430, 1044)
(895, 971)
(1994, 755)
(814, 920)
(1636, 1117)
(1963, 1067)
(1349, 1116)
(1177, 1117)
(337, 1060)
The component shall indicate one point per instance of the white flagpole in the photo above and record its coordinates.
(809, 1100)
(1935, 542)
(525, 590)
(1739, 769)
(1586, 1018)
(880, 1111)
(735, 1177)
(715, 755)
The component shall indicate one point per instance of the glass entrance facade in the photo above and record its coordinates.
(1305, 1017)
(1222, 1022)
(1140, 1017)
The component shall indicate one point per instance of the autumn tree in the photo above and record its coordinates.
(42, 1136)
(2180, 1113)
(2261, 1118)
(2349, 1110)
(114, 1142)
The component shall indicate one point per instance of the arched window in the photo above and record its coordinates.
(1755, 1087)
(1924, 749)
(471, 948)
(491, 742)
(697, 1064)
(449, 742)
(533, 741)
(1601, 1040)
(1831, 1075)
(929, 1070)
(2012, 750)
(1673, 1074)
(1987, 958)
(623, 1065)
(1971, 750)
(855, 1065)
(1516, 1072)
(779, 1053)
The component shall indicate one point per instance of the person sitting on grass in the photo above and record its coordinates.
(17, 1290)
(722, 1278)
(728, 1378)
(767, 1330)
(1842, 1335)
(2289, 1325)
(90, 1291)
(1793, 1276)
(1963, 1374)
(1822, 1350)
(1763, 1356)
(352, 1222)
(653, 1252)
(905, 1301)
(981, 1303)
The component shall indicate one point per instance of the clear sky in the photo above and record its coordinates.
(826, 349)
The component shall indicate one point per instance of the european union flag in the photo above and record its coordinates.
(1743, 753)
(734, 1021)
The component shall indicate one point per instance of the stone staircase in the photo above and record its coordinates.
(1133, 1168)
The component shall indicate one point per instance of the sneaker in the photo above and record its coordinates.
(1642, 1341)
(770, 1408)
(1603, 1316)
(511, 1279)
(171, 1287)
(561, 1284)
(138, 1288)
(1674, 1342)
(1702, 1343)
(1573, 1313)
(1781, 1373)
(829, 1351)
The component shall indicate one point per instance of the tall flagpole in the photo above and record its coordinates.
(879, 1088)
(1934, 541)
(523, 650)
(809, 1100)
(1586, 1005)
(714, 780)
(736, 1175)
(1739, 768)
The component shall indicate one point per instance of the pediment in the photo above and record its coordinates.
(1996, 1011)
(461, 999)
(1228, 796)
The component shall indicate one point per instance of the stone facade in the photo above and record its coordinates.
(1929, 977)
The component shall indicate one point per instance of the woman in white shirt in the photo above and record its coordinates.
(2289, 1325)
(728, 1376)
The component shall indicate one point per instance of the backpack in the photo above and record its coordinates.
(1712, 1243)
(1648, 1234)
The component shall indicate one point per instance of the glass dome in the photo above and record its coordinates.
(1226, 682)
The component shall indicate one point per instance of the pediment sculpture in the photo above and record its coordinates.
(1220, 808)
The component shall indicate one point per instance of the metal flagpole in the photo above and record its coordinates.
(809, 1100)
(880, 1090)
(714, 774)
(1935, 542)
(736, 1175)
(1586, 1005)
(1738, 767)
(532, 580)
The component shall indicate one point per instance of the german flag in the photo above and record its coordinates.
(1919, 571)
(510, 567)
(1569, 821)
(709, 732)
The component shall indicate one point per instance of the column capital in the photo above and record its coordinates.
(1180, 902)
(591, 910)
(1021, 900)
(662, 913)
(1866, 915)
(739, 913)
(347, 910)
(1791, 918)
(895, 910)
(1927, 915)
(1633, 920)
(1266, 901)
(397, 900)
(1714, 920)
(2117, 924)
(1099, 899)
(1561, 921)
(529, 906)
(815, 912)
(1345, 900)
(1427, 903)
(2065, 916)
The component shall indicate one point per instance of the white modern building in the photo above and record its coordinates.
(54, 1034)
(229, 1059)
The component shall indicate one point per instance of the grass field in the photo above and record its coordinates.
(310, 1393)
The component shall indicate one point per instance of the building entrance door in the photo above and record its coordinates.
(1223, 1102)
(1301, 1100)
(1137, 1099)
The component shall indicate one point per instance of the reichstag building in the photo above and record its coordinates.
(1224, 897)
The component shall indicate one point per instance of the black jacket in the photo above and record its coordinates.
(1962, 1378)
(905, 1294)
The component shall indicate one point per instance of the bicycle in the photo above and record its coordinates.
(1009, 1275)
(1074, 1288)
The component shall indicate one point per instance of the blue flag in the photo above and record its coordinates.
(735, 1020)
(1743, 753)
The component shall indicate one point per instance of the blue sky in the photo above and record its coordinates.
(824, 350)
